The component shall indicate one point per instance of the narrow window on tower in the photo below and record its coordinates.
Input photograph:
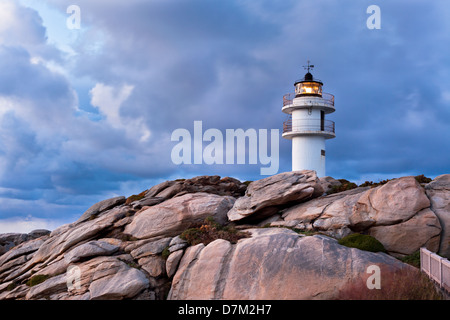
(322, 121)
(322, 153)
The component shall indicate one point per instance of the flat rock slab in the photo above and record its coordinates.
(175, 215)
(125, 283)
(100, 207)
(90, 249)
(263, 197)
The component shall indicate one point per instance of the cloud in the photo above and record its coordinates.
(20, 26)
(91, 116)
(109, 100)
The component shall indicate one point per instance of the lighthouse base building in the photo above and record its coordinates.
(306, 126)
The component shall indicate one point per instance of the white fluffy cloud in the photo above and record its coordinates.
(109, 101)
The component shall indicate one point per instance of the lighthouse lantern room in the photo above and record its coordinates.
(306, 125)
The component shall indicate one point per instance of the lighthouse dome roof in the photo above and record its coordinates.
(308, 78)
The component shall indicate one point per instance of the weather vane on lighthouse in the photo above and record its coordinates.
(308, 66)
(306, 126)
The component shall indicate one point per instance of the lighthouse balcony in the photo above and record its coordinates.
(324, 102)
(292, 128)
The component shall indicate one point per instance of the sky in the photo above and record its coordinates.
(87, 111)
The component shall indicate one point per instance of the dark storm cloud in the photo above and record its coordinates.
(227, 63)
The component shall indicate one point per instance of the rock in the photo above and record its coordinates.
(438, 191)
(90, 249)
(209, 184)
(154, 265)
(175, 215)
(158, 188)
(395, 202)
(329, 214)
(10, 240)
(172, 262)
(328, 183)
(177, 244)
(54, 268)
(147, 202)
(17, 293)
(119, 282)
(118, 249)
(39, 233)
(68, 236)
(264, 197)
(100, 207)
(22, 249)
(398, 209)
(96, 268)
(274, 264)
(422, 230)
(150, 248)
(203, 284)
(48, 287)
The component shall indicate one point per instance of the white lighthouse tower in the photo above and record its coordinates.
(306, 126)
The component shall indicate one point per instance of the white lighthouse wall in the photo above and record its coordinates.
(307, 154)
(303, 117)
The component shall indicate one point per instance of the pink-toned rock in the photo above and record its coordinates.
(263, 197)
(154, 265)
(438, 191)
(395, 202)
(175, 215)
(123, 283)
(422, 230)
(329, 214)
(172, 262)
(274, 264)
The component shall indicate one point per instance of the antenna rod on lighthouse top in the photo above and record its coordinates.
(309, 66)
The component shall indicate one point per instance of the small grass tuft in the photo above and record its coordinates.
(135, 197)
(412, 259)
(37, 279)
(11, 286)
(422, 179)
(374, 184)
(165, 253)
(363, 242)
(345, 185)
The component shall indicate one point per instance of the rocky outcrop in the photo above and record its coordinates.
(209, 184)
(10, 240)
(176, 215)
(265, 197)
(395, 213)
(100, 207)
(274, 264)
(438, 191)
(422, 230)
(328, 183)
(396, 201)
(130, 248)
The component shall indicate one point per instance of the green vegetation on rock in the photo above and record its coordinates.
(413, 259)
(363, 242)
(37, 279)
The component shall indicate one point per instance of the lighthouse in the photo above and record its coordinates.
(306, 125)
